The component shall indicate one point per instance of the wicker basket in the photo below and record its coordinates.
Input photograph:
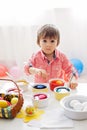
(11, 111)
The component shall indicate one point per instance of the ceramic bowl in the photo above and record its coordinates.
(39, 88)
(41, 100)
(61, 92)
(78, 113)
(55, 82)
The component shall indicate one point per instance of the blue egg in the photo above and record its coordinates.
(62, 90)
(39, 86)
(58, 90)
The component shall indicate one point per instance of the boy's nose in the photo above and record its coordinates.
(48, 44)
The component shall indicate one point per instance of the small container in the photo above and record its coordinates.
(61, 92)
(23, 85)
(39, 88)
(40, 100)
(55, 83)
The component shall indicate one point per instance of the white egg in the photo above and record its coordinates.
(78, 106)
(85, 108)
(73, 102)
(84, 104)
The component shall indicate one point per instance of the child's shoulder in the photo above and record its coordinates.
(36, 54)
(59, 53)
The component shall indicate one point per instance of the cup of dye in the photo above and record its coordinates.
(40, 100)
(39, 88)
(55, 83)
(61, 92)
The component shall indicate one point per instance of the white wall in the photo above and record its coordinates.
(17, 43)
(73, 30)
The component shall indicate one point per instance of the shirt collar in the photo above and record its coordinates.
(56, 54)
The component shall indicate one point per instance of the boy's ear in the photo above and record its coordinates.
(39, 45)
(58, 43)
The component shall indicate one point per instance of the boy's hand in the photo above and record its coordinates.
(42, 73)
(73, 85)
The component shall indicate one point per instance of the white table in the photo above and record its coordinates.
(18, 124)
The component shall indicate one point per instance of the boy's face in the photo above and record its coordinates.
(48, 45)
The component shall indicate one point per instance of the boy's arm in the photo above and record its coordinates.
(40, 72)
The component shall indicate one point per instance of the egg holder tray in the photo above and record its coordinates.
(11, 111)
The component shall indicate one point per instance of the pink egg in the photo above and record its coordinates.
(40, 96)
(1, 98)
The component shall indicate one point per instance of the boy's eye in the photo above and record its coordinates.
(52, 41)
(44, 40)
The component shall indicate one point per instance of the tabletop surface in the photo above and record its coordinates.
(14, 124)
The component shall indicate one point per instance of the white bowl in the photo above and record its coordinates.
(69, 111)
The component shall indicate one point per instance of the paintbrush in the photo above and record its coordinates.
(71, 78)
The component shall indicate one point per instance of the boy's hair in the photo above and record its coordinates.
(48, 31)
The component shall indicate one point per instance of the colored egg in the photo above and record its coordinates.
(14, 100)
(59, 82)
(3, 103)
(39, 86)
(55, 83)
(40, 96)
(1, 98)
(8, 103)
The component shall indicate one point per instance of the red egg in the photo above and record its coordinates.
(1, 98)
(8, 103)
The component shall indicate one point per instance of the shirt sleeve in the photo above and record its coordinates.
(68, 68)
(29, 64)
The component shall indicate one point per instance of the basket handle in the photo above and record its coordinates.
(14, 83)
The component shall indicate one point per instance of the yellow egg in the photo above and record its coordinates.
(14, 100)
(3, 103)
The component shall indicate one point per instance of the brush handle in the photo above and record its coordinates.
(72, 75)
